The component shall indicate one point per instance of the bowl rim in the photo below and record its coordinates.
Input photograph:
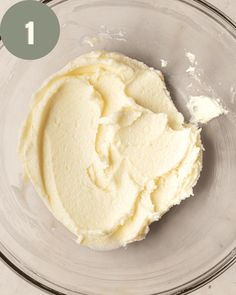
(31, 277)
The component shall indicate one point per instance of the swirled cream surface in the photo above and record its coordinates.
(107, 150)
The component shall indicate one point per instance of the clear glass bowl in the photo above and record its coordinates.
(195, 241)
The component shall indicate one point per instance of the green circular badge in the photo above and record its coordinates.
(30, 29)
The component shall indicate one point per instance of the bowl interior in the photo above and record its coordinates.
(196, 51)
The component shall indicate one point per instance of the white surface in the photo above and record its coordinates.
(11, 284)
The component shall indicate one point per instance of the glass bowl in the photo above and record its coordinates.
(195, 46)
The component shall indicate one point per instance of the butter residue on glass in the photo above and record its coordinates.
(203, 109)
(107, 150)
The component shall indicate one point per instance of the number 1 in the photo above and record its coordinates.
(30, 27)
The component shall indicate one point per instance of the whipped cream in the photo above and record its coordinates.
(107, 150)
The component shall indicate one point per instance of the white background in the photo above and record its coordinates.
(11, 284)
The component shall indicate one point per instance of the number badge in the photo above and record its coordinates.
(30, 30)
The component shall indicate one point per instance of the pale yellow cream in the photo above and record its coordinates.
(107, 150)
